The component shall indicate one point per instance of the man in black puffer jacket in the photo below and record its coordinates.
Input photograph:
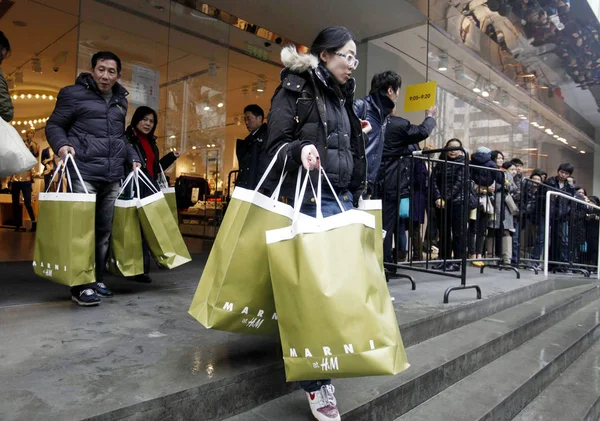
(88, 122)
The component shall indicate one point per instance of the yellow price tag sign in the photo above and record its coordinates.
(420, 97)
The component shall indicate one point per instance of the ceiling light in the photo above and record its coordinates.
(534, 123)
(213, 145)
(206, 108)
(208, 146)
(261, 85)
(443, 64)
(22, 96)
(37, 96)
(485, 93)
(459, 72)
(36, 65)
(556, 136)
(581, 151)
(44, 96)
(476, 89)
(19, 123)
(541, 127)
(23, 131)
(220, 105)
(50, 97)
(13, 122)
(549, 131)
(15, 96)
(574, 147)
(172, 136)
(193, 147)
(523, 118)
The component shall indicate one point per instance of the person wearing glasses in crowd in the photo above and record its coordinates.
(312, 116)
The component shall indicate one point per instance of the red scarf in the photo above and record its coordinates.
(150, 156)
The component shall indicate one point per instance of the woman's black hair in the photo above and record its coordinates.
(577, 188)
(444, 154)
(595, 200)
(331, 40)
(139, 115)
(495, 154)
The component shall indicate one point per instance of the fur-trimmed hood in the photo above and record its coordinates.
(298, 62)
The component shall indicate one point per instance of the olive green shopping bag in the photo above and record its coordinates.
(126, 255)
(65, 246)
(336, 317)
(235, 293)
(169, 193)
(159, 228)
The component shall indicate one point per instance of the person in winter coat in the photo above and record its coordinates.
(375, 108)
(402, 137)
(484, 183)
(251, 152)
(312, 117)
(533, 214)
(559, 213)
(447, 180)
(88, 122)
(501, 227)
(140, 135)
(7, 110)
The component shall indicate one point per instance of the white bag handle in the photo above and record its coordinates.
(162, 181)
(125, 183)
(56, 171)
(138, 174)
(270, 167)
(63, 163)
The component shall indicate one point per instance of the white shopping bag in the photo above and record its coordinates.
(15, 158)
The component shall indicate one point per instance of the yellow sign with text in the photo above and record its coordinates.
(420, 97)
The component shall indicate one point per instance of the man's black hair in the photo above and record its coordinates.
(106, 55)
(517, 161)
(566, 167)
(384, 80)
(255, 110)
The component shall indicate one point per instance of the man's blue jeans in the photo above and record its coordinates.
(329, 207)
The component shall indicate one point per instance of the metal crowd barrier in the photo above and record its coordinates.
(572, 234)
(450, 216)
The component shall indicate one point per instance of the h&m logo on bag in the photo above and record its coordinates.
(328, 362)
(47, 269)
(254, 323)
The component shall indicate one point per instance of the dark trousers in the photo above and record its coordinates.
(450, 221)
(477, 230)
(106, 194)
(390, 222)
(16, 188)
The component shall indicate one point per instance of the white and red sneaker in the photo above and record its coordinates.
(323, 404)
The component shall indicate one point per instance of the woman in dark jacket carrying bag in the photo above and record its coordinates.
(447, 183)
(312, 116)
(140, 134)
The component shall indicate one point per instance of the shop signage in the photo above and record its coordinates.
(420, 97)
(144, 87)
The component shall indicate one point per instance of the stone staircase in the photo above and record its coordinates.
(527, 354)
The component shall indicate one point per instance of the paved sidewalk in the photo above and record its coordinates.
(70, 363)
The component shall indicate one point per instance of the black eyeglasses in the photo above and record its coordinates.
(350, 59)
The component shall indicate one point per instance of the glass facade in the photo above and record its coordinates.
(199, 67)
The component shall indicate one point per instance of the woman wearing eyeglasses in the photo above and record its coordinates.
(312, 115)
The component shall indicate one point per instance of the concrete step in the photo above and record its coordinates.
(501, 389)
(252, 372)
(573, 396)
(437, 363)
(140, 356)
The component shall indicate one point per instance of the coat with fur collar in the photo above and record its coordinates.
(307, 109)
